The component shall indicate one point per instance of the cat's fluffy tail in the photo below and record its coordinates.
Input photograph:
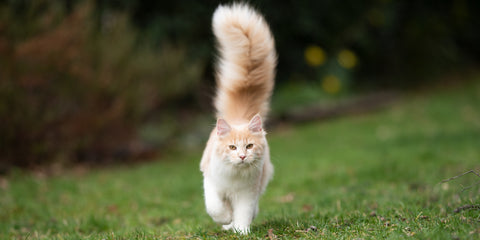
(246, 65)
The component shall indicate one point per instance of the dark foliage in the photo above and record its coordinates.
(398, 43)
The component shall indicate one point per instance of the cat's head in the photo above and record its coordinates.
(242, 144)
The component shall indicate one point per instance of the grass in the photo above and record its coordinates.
(364, 177)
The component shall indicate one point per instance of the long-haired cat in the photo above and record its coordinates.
(236, 161)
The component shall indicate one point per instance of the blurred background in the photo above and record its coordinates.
(99, 82)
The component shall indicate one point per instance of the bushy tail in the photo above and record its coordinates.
(246, 66)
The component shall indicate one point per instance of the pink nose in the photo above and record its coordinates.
(242, 157)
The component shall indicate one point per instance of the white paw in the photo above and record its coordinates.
(222, 218)
(228, 226)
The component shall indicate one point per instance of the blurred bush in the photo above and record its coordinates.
(72, 90)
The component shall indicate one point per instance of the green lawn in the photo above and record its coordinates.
(370, 177)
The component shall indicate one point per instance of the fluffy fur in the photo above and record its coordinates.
(236, 161)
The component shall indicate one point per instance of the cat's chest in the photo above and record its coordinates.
(235, 179)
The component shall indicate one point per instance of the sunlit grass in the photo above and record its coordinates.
(372, 176)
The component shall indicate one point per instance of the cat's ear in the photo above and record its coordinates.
(255, 124)
(222, 127)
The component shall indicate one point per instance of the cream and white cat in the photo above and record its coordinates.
(236, 161)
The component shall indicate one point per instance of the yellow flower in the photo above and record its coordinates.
(347, 59)
(315, 56)
(331, 84)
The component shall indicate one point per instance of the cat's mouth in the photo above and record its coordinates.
(241, 162)
(245, 162)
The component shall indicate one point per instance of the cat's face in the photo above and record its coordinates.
(241, 145)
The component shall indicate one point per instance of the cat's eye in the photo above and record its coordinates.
(249, 146)
(232, 147)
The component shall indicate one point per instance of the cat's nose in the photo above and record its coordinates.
(242, 157)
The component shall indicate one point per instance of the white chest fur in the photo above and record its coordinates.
(232, 192)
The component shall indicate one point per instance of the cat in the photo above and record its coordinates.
(236, 162)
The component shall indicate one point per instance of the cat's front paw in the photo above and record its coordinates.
(227, 227)
(223, 218)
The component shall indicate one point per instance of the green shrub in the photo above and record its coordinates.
(70, 91)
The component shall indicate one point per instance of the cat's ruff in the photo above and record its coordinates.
(236, 161)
